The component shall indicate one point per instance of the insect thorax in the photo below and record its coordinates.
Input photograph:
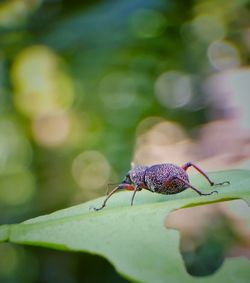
(137, 174)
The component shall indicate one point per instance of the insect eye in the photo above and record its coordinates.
(127, 180)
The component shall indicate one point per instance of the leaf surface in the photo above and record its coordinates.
(134, 239)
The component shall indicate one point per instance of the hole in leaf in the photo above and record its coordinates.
(211, 233)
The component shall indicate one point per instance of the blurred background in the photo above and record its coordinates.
(87, 87)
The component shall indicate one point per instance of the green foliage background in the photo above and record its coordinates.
(98, 52)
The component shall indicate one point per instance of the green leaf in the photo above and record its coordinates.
(134, 239)
(4, 233)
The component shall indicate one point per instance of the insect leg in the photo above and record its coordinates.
(193, 188)
(190, 164)
(133, 196)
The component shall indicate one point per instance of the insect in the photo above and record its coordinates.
(163, 178)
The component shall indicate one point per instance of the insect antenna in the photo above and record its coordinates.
(106, 199)
(109, 185)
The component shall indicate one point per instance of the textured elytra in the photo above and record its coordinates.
(166, 178)
(161, 178)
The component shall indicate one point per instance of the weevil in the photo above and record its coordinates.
(163, 178)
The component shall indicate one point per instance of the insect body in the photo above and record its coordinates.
(160, 178)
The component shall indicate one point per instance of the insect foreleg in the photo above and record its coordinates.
(133, 196)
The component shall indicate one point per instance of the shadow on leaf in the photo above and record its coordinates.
(211, 233)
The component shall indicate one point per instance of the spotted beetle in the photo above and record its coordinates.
(163, 178)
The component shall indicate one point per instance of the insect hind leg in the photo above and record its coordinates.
(188, 185)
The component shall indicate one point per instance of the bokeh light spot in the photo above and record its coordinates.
(174, 89)
(51, 130)
(15, 12)
(223, 55)
(91, 170)
(148, 123)
(41, 86)
(208, 27)
(165, 141)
